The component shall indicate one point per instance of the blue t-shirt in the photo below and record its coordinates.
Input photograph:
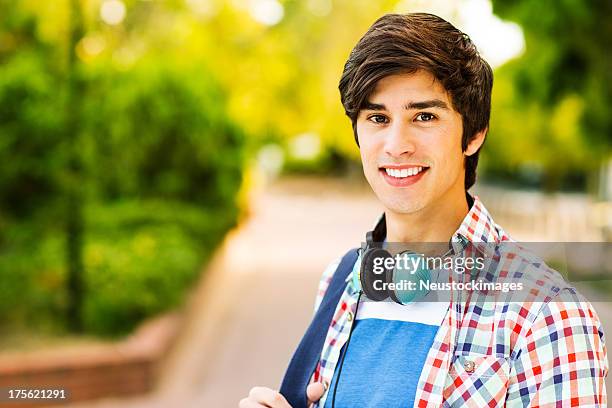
(388, 349)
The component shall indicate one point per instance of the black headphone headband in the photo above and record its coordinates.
(377, 236)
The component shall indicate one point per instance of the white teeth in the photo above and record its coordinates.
(401, 173)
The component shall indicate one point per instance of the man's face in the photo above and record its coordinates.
(410, 142)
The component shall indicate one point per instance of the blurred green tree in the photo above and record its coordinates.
(94, 114)
(551, 105)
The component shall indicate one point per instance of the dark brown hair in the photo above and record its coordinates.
(400, 43)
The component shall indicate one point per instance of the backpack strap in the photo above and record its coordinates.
(308, 353)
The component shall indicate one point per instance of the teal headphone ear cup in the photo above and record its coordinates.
(367, 276)
(406, 272)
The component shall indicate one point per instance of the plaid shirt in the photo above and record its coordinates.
(549, 352)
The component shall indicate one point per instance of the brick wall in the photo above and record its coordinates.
(127, 367)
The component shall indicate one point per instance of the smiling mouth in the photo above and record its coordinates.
(403, 172)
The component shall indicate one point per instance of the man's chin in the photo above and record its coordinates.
(400, 200)
(404, 206)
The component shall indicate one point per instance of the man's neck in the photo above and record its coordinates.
(435, 223)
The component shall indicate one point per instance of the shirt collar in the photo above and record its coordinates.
(478, 225)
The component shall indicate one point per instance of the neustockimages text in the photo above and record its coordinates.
(424, 285)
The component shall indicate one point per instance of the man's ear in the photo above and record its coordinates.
(476, 142)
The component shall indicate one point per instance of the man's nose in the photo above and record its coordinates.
(400, 140)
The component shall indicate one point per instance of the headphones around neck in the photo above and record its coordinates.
(382, 276)
(380, 282)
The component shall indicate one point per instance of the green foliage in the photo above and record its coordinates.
(551, 105)
(169, 128)
(30, 119)
(159, 169)
(140, 258)
(31, 264)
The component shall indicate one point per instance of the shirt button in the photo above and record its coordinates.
(349, 317)
(469, 366)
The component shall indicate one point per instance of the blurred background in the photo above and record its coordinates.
(172, 171)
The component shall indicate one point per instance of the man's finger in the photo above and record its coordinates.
(268, 397)
(248, 403)
(315, 391)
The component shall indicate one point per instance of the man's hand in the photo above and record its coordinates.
(266, 397)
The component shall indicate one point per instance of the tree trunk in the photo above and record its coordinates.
(74, 223)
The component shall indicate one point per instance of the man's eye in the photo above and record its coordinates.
(425, 117)
(378, 118)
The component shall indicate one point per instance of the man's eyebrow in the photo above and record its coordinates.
(373, 106)
(432, 103)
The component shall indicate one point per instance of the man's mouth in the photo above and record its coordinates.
(403, 175)
(404, 172)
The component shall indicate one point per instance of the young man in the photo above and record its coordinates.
(418, 95)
